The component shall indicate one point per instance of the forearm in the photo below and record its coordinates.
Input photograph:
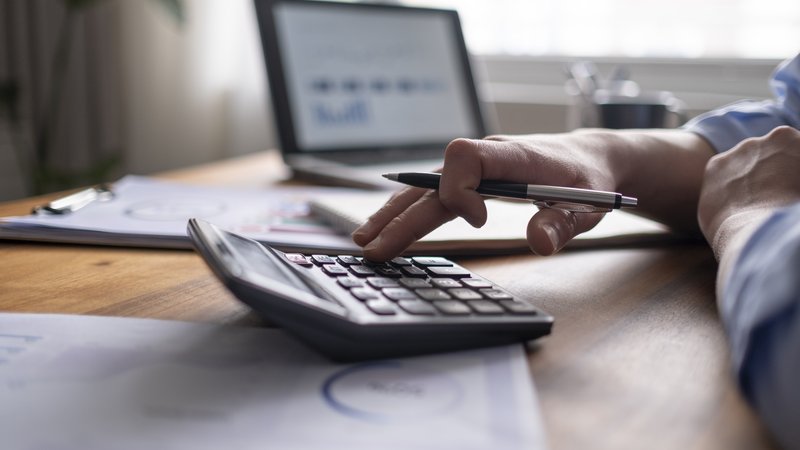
(759, 296)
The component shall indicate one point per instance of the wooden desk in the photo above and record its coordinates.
(637, 358)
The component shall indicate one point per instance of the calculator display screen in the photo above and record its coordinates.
(254, 257)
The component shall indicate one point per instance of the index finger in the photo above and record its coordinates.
(409, 225)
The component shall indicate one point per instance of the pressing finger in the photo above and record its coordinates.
(398, 203)
(410, 225)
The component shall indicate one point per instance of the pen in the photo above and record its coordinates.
(76, 201)
(572, 199)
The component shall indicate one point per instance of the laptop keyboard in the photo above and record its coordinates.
(418, 286)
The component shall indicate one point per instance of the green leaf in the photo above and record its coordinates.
(175, 9)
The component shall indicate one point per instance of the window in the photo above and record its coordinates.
(757, 29)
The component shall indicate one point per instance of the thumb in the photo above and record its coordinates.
(550, 228)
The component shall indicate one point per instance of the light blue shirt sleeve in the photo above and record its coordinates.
(760, 307)
(725, 127)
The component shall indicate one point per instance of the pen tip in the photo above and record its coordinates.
(629, 202)
(390, 176)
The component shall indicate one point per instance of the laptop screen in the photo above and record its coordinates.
(369, 76)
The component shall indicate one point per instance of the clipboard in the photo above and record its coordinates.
(140, 211)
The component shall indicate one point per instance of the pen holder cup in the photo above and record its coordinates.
(658, 109)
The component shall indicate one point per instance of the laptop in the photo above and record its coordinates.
(363, 89)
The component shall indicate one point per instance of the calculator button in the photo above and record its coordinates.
(445, 283)
(450, 272)
(414, 283)
(433, 294)
(390, 272)
(374, 264)
(476, 283)
(381, 307)
(362, 271)
(465, 294)
(400, 262)
(380, 283)
(452, 307)
(399, 294)
(412, 271)
(299, 259)
(496, 294)
(427, 261)
(334, 270)
(516, 307)
(322, 259)
(485, 307)
(347, 282)
(364, 294)
(417, 307)
(348, 260)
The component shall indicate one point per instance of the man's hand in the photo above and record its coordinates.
(414, 212)
(743, 186)
(662, 168)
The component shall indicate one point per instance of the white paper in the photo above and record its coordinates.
(151, 212)
(80, 382)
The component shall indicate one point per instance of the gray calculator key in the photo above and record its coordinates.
(476, 283)
(465, 294)
(496, 294)
(449, 272)
(348, 260)
(380, 283)
(389, 272)
(334, 270)
(445, 283)
(485, 307)
(433, 294)
(362, 271)
(417, 307)
(413, 271)
(516, 307)
(382, 307)
(347, 282)
(364, 294)
(431, 261)
(399, 294)
(400, 262)
(414, 283)
(452, 307)
(322, 259)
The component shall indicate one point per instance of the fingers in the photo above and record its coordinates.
(550, 229)
(467, 162)
(413, 213)
(410, 225)
(398, 203)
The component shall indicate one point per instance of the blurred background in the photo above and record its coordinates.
(94, 89)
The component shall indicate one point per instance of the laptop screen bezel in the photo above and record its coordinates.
(265, 12)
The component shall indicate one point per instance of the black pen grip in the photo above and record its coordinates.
(501, 189)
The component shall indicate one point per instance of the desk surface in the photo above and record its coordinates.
(637, 357)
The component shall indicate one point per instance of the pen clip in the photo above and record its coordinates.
(76, 201)
(571, 207)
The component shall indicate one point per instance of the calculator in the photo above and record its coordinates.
(348, 308)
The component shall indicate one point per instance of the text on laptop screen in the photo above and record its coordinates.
(363, 77)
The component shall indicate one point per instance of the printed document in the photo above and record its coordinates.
(102, 383)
